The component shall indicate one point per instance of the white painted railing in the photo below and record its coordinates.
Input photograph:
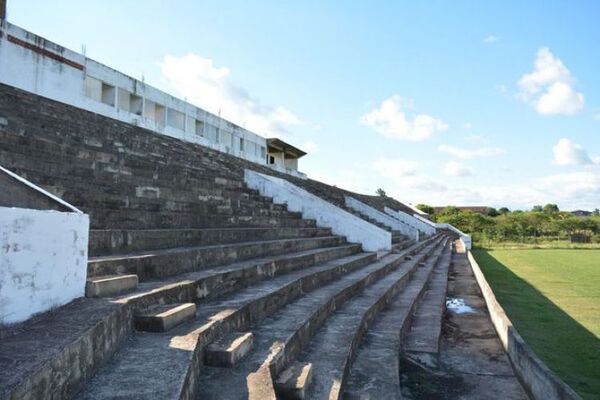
(341, 222)
(464, 238)
(411, 221)
(382, 218)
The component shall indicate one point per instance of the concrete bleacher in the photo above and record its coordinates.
(190, 270)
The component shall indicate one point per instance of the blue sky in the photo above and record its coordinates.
(462, 102)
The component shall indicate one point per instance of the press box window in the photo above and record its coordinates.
(97, 90)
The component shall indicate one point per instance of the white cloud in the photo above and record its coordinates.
(390, 120)
(467, 125)
(549, 88)
(395, 168)
(568, 153)
(211, 87)
(309, 147)
(491, 39)
(454, 168)
(466, 154)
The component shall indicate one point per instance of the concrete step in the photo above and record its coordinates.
(334, 346)
(398, 246)
(380, 348)
(227, 350)
(279, 337)
(110, 285)
(168, 262)
(114, 241)
(397, 238)
(136, 219)
(100, 326)
(161, 366)
(423, 338)
(164, 317)
(294, 381)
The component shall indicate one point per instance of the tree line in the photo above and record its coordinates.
(538, 224)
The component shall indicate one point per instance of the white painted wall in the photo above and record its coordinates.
(43, 260)
(341, 222)
(29, 70)
(410, 220)
(382, 218)
(464, 238)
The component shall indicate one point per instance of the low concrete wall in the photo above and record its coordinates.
(382, 218)
(43, 260)
(410, 220)
(464, 238)
(341, 222)
(535, 376)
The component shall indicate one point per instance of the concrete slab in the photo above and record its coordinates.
(164, 317)
(229, 349)
(293, 382)
(106, 286)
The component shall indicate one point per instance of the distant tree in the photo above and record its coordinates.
(381, 193)
(450, 210)
(503, 210)
(596, 212)
(537, 208)
(492, 212)
(425, 208)
(551, 208)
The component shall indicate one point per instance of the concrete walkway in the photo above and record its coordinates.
(473, 364)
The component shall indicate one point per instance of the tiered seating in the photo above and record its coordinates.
(197, 285)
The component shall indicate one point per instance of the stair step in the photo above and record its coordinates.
(423, 339)
(343, 331)
(161, 365)
(163, 318)
(114, 241)
(380, 348)
(293, 382)
(279, 337)
(229, 349)
(111, 285)
(76, 326)
(168, 262)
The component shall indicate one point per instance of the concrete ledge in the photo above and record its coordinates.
(110, 285)
(464, 238)
(228, 350)
(164, 317)
(410, 220)
(292, 383)
(534, 375)
(341, 222)
(381, 217)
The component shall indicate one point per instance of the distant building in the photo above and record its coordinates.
(581, 213)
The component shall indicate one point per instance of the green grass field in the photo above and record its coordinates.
(553, 299)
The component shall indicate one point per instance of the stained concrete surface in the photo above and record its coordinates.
(473, 364)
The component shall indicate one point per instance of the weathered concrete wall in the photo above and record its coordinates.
(341, 222)
(410, 220)
(382, 218)
(464, 238)
(535, 376)
(43, 260)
